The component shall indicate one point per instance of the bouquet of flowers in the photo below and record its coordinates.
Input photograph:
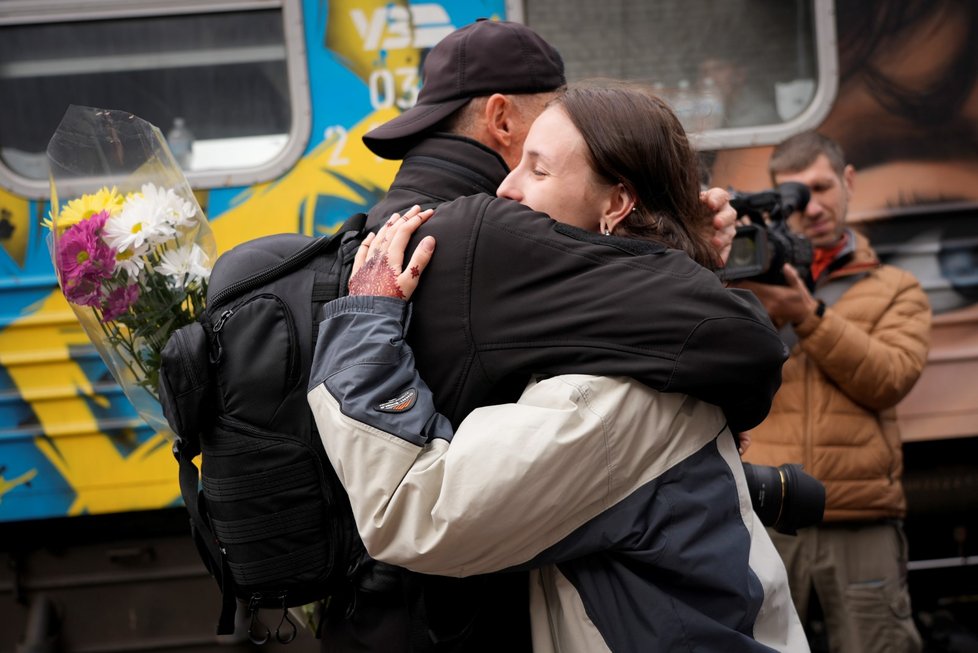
(130, 244)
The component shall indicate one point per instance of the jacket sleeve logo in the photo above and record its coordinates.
(404, 401)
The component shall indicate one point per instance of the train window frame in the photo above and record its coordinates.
(826, 87)
(36, 12)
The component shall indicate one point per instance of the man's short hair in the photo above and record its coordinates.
(800, 151)
(465, 121)
(479, 59)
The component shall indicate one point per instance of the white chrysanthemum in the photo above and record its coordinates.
(132, 262)
(175, 210)
(184, 265)
(141, 223)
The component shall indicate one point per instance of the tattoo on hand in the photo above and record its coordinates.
(377, 278)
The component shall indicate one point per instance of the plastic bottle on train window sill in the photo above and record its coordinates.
(181, 142)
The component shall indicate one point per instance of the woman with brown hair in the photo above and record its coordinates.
(629, 505)
(634, 146)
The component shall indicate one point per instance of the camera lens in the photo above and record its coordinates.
(764, 484)
(785, 498)
(804, 500)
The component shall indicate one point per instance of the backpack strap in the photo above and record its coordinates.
(351, 234)
(204, 539)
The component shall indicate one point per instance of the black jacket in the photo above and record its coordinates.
(439, 169)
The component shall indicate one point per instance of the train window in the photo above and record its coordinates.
(224, 81)
(738, 73)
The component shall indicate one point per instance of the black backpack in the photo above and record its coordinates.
(269, 517)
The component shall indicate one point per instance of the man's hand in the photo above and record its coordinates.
(722, 224)
(789, 304)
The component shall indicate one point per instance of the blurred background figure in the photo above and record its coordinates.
(746, 99)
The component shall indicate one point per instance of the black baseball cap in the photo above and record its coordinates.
(482, 58)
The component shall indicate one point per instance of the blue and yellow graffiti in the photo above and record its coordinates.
(70, 443)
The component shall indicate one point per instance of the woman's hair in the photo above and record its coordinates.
(635, 139)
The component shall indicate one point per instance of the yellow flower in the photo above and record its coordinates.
(83, 208)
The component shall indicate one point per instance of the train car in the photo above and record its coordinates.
(265, 101)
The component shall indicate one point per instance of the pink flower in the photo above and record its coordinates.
(84, 260)
(83, 292)
(119, 301)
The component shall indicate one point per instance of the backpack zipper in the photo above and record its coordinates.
(260, 278)
(299, 257)
(290, 324)
(221, 320)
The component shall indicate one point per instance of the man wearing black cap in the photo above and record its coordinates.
(506, 71)
(484, 84)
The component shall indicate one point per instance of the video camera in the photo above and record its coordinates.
(761, 248)
(784, 497)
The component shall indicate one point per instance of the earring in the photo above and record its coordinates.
(607, 231)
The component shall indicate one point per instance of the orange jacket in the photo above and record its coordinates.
(835, 411)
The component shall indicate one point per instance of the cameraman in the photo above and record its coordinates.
(858, 344)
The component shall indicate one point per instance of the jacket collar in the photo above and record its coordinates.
(462, 166)
(856, 257)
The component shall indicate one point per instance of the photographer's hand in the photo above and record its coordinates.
(721, 226)
(789, 304)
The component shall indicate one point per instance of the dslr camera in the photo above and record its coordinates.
(760, 249)
(784, 497)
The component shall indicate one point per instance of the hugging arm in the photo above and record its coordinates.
(417, 501)
(432, 500)
(511, 484)
(513, 481)
(534, 296)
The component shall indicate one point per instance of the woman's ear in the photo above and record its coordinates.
(621, 202)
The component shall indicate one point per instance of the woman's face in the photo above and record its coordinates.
(554, 175)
